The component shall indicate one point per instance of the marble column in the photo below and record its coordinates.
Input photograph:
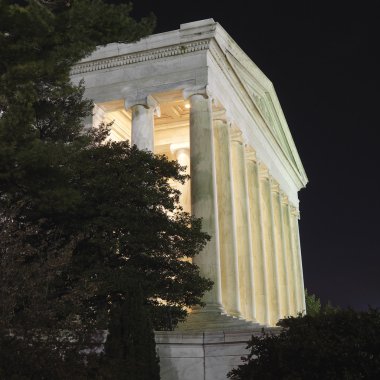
(226, 216)
(97, 117)
(203, 191)
(270, 247)
(300, 291)
(242, 223)
(257, 238)
(280, 250)
(87, 123)
(142, 134)
(290, 264)
(182, 155)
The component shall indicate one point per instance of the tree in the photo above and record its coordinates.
(80, 215)
(130, 348)
(313, 304)
(344, 344)
(26, 359)
(41, 120)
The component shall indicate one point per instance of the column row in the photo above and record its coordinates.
(253, 257)
(261, 270)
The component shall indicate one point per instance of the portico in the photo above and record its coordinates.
(193, 95)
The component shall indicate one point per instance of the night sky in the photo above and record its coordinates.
(321, 60)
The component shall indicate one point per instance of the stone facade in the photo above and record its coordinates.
(195, 96)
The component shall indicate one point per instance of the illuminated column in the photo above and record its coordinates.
(280, 250)
(182, 155)
(298, 261)
(203, 190)
(142, 121)
(257, 238)
(290, 264)
(226, 217)
(96, 118)
(242, 223)
(270, 247)
(88, 122)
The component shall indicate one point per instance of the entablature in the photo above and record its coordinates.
(199, 54)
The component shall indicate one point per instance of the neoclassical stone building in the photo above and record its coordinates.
(195, 96)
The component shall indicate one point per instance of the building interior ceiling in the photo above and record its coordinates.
(171, 123)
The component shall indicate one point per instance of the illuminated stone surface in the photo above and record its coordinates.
(195, 96)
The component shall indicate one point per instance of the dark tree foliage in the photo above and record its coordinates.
(125, 223)
(80, 216)
(339, 344)
(313, 304)
(130, 351)
(31, 359)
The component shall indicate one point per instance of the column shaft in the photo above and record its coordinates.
(97, 117)
(275, 252)
(143, 127)
(226, 218)
(257, 241)
(290, 259)
(270, 248)
(242, 222)
(203, 194)
(182, 155)
(280, 250)
(88, 123)
(300, 291)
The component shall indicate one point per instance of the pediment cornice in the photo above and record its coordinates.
(251, 83)
(138, 57)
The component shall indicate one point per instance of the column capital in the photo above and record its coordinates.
(220, 115)
(236, 135)
(284, 198)
(294, 211)
(250, 153)
(263, 171)
(274, 185)
(188, 92)
(147, 101)
(174, 148)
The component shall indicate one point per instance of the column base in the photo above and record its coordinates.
(235, 313)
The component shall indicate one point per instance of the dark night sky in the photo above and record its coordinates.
(321, 60)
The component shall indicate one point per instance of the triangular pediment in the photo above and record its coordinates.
(251, 85)
(262, 98)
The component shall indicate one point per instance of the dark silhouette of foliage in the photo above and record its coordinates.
(130, 348)
(313, 304)
(339, 344)
(80, 216)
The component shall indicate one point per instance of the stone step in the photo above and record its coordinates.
(215, 321)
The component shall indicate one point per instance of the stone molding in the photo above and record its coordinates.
(150, 55)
